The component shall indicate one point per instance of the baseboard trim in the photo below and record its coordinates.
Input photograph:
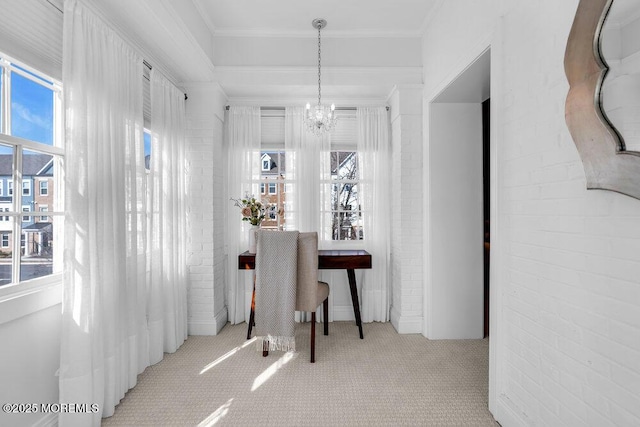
(406, 325)
(208, 326)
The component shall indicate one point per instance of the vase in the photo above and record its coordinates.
(253, 241)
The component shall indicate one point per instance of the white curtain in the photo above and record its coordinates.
(307, 158)
(242, 137)
(306, 165)
(374, 159)
(105, 335)
(167, 285)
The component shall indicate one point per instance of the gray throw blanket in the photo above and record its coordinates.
(276, 276)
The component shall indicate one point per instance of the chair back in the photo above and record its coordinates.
(307, 292)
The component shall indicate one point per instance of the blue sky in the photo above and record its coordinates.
(31, 110)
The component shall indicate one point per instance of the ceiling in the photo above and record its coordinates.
(256, 50)
(293, 17)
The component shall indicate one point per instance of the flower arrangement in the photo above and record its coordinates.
(253, 210)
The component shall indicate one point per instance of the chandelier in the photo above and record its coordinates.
(320, 119)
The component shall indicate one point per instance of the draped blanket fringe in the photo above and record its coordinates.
(272, 343)
(276, 280)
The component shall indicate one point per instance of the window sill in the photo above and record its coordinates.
(29, 297)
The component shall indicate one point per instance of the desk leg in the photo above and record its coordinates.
(354, 298)
(252, 315)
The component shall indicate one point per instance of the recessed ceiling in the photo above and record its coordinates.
(293, 17)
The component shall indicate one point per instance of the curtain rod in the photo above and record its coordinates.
(144, 61)
(282, 108)
(150, 67)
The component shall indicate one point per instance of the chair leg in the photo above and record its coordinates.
(313, 337)
(325, 312)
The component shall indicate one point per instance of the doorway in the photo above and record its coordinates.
(486, 202)
(456, 303)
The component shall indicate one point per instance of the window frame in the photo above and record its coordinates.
(28, 187)
(273, 185)
(46, 187)
(22, 297)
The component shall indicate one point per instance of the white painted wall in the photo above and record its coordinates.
(207, 312)
(29, 360)
(407, 271)
(455, 308)
(565, 331)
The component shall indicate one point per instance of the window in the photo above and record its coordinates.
(33, 114)
(344, 214)
(270, 180)
(1, 187)
(341, 213)
(266, 162)
(26, 187)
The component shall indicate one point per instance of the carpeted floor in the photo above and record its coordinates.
(386, 379)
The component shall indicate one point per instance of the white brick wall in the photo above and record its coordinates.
(407, 193)
(205, 214)
(566, 290)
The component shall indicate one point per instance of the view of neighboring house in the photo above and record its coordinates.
(272, 186)
(36, 193)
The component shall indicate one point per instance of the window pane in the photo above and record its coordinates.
(6, 252)
(147, 150)
(1, 112)
(345, 217)
(37, 171)
(6, 174)
(344, 165)
(31, 110)
(37, 250)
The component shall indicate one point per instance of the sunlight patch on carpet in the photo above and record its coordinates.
(217, 415)
(271, 370)
(226, 356)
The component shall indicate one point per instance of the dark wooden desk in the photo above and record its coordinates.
(341, 259)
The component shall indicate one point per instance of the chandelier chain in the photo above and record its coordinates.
(319, 58)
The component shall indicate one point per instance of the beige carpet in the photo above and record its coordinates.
(386, 379)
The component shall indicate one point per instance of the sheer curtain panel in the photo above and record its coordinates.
(104, 339)
(307, 158)
(242, 138)
(375, 161)
(167, 287)
(124, 300)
